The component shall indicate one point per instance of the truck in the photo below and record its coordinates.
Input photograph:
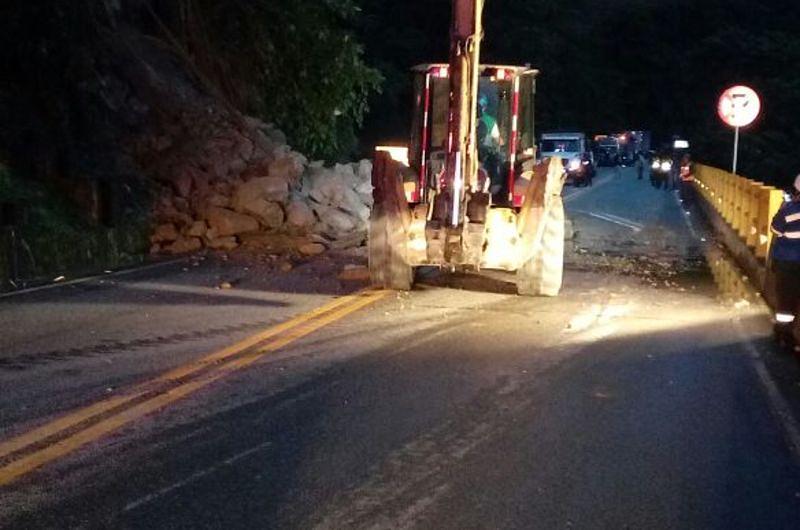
(606, 150)
(573, 151)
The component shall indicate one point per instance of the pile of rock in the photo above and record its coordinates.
(340, 198)
(244, 184)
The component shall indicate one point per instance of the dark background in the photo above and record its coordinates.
(616, 65)
(334, 75)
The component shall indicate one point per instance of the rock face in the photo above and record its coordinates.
(311, 249)
(268, 188)
(184, 245)
(299, 215)
(229, 223)
(164, 233)
(250, 181)
(198, 229)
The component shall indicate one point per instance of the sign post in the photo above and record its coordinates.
(738, 106)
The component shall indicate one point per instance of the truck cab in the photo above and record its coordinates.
(573, 150)
(607, 150)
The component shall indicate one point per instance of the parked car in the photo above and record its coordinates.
(580, 171)
(573, 150)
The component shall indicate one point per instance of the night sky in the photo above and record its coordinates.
(616, 65)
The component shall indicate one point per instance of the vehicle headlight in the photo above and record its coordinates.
(666, 165)
(574, 164)
(656, 164)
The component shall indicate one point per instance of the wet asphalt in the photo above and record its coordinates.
(642, 397)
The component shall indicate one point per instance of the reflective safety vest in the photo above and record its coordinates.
(786, 228)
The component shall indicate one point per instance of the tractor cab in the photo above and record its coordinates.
(504, 134)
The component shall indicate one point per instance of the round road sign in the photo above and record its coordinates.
(739, 106)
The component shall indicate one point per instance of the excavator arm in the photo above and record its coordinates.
(462, 153)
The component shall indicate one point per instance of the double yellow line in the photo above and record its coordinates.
(28, 451)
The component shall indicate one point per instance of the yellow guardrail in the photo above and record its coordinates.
(746, 205)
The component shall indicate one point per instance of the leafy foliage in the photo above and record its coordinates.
(297, 64)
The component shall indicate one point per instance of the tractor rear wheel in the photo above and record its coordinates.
(527, 283)
(388, 268)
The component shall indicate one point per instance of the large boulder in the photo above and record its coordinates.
(267, 188)
(311, 249)
(219, 200)
(198, 229)
(288, 167)
(222, 243)
(184, 245)
(269, 214)
(299, 214)
(364, 185)
(334, 222)
(166, 212)
(164, 233)
(226, 222)
(341, 198)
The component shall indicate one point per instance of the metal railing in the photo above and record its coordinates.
(746, 205)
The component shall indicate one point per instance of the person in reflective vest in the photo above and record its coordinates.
(786, 254)
(686, 180)
(489, 143)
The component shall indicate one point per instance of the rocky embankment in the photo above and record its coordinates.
(244, 187)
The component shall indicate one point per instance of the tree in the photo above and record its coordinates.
(293, 62)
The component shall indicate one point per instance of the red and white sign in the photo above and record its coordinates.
(739, 106)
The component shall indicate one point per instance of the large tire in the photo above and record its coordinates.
(376, 246)
(783, 338)
(542, 228)
(527, 285)
(388, 267)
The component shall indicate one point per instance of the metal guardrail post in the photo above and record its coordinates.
(736, 203)
(744, 207)
(751, 237)
(762, 224)
(727, 199)
(741, 204)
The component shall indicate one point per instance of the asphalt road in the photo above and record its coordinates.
(642, 397)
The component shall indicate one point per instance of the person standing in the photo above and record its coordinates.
(786, 256)
(640, 165)
(686, 180)
(489, 143)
